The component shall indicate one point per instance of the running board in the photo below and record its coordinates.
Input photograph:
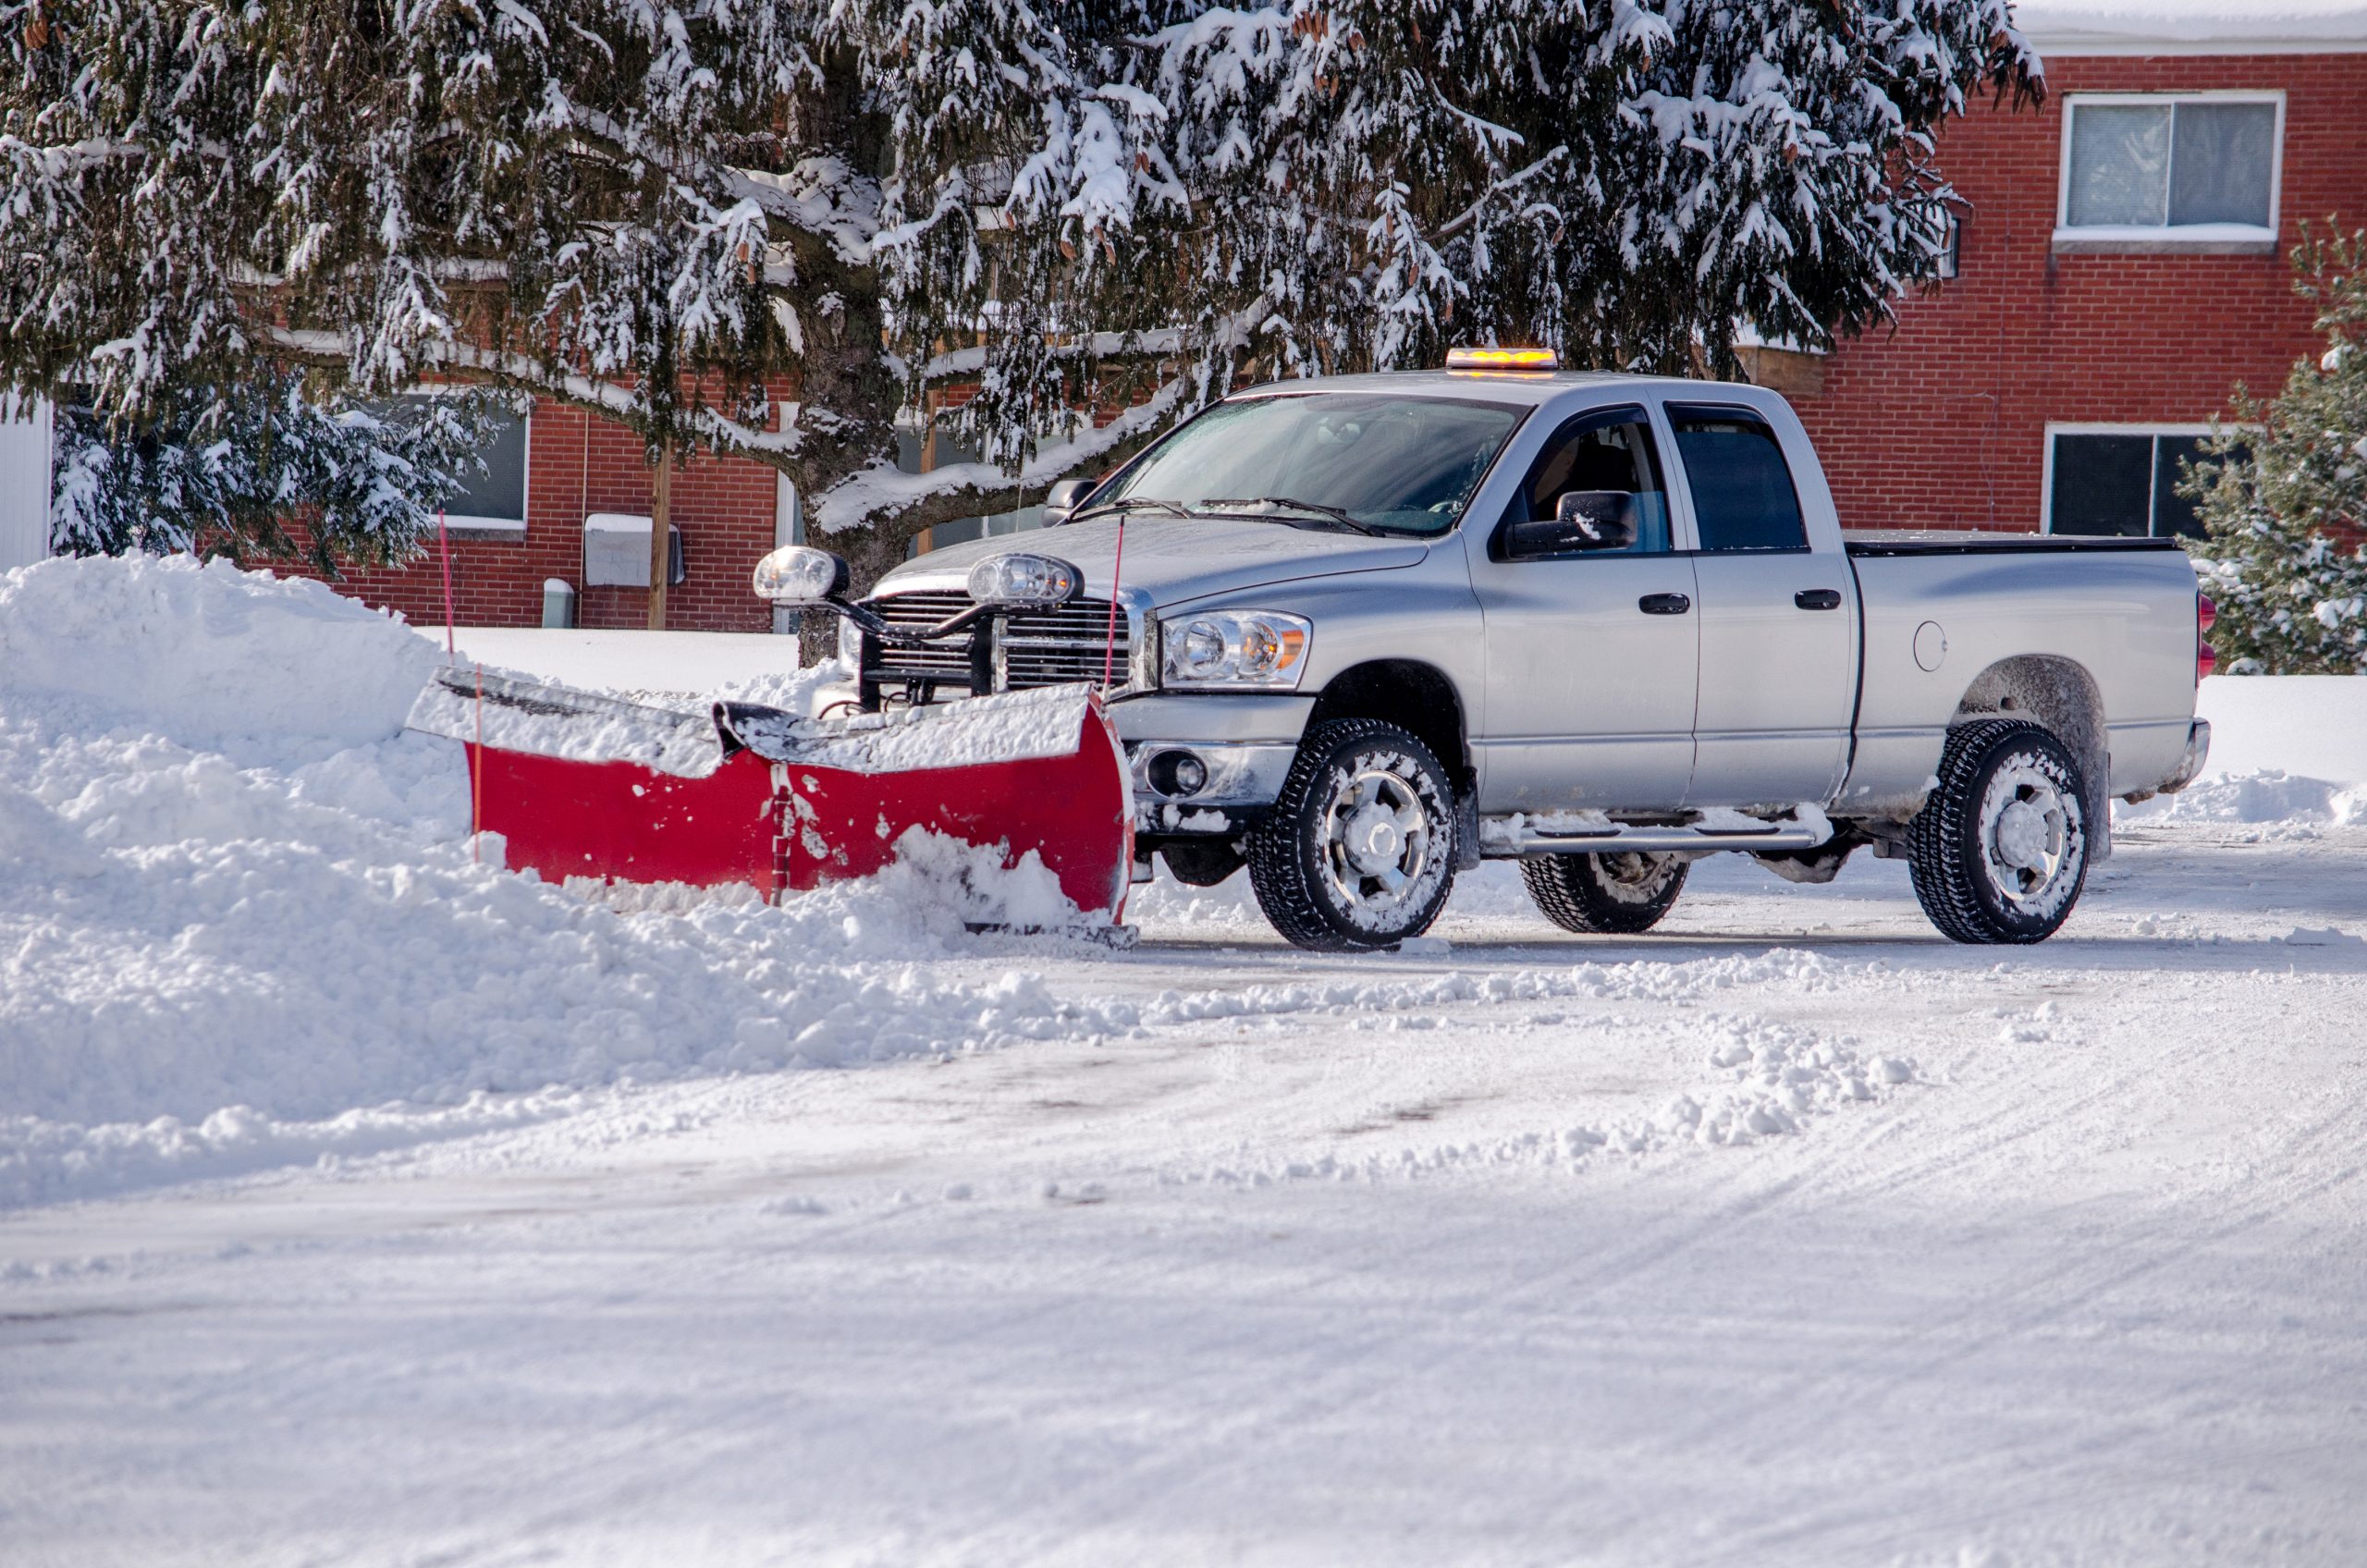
(1569, 833)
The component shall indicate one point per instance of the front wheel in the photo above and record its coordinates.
(1999, 852)
(1359, 851)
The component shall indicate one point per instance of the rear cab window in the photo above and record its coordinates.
(1741, 488)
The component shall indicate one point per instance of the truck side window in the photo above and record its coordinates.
(1608, 449)
(1743, 498)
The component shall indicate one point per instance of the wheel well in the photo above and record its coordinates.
(2060, 694)
(1416, 697)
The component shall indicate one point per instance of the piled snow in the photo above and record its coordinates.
(230, 661)
(2288, 754)
(678, 662)
(234, 897)
(2314, 726)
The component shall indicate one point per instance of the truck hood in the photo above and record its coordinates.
(1174, 560)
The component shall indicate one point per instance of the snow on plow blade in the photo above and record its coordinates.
(582, 785)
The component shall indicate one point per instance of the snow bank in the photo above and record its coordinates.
(230, 661)
(2313, 726)
(240, 921)
(2288, 752)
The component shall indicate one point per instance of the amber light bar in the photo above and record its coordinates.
(1502, 359)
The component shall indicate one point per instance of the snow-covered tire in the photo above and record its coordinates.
(1613, 894)
(1359, 851)
(1999, 852)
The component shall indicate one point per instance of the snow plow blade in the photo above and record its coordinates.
(583, 785)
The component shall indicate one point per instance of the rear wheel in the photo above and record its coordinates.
(1999, 852)
(1609, 894)
(1359, 851)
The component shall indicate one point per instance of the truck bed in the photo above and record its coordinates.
(1950, 541)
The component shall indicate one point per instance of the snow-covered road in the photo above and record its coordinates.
(1343, 1276)
(1790, 1234)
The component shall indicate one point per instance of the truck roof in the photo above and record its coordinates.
(1530, 388)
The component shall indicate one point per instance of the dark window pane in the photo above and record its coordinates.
(499, 493)
(2220, 163)
(2102, 484)
(500, 490)
(1610, 451)
(2172, 513)
(1742, 491)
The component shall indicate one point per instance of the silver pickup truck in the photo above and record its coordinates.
(1371, 630)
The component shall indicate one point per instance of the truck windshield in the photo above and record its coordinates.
(1371, 462)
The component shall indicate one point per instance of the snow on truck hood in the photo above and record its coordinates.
(1174, 559)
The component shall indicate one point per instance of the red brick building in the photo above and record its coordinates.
(2122, 262)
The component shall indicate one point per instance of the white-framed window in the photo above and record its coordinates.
(492, 504)
(2170, 171)
(2120, 478)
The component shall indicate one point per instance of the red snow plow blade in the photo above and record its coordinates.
(581, 785)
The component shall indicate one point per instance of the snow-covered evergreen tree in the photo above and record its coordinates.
(2283, 493)
(232, 467)
(659, 207)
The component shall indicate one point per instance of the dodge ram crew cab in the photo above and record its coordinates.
(1362, 633)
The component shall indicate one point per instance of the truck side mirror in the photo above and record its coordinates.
(1062, 498)
(1582, 520)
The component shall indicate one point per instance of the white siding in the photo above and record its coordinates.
(24, 488)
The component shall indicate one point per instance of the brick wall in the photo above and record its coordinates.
(578, 463)
(1942, 423)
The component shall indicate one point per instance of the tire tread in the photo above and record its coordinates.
(1935, 862)
(1278, 872)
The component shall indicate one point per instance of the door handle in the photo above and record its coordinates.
(1818, 598)
(1665, 604)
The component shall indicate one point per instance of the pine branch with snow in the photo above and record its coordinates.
(259, 469)
(671, 210)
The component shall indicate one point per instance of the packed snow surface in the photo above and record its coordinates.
(360, 1202)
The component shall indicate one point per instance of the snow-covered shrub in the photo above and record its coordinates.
(2283, 493)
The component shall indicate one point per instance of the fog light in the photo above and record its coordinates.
(1178, 773)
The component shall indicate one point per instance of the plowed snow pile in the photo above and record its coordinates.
(234, 896)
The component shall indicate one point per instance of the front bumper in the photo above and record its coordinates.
(1245, 742)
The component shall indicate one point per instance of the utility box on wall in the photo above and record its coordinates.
(616, 551)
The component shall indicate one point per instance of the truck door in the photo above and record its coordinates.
(1591, 654)
(1778, 676)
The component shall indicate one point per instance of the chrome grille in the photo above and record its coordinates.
(1057, 647)
(948, 661)
(1046, 648)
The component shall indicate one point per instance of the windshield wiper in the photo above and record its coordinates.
(1311, 509)
(1130, 504)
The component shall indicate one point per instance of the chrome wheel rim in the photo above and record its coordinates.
(2030, 840)
(1635, 877)
(1377, 842)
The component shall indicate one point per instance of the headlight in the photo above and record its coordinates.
(850, 643)
(1234, 650)
(798, 576)
(1024, 581)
